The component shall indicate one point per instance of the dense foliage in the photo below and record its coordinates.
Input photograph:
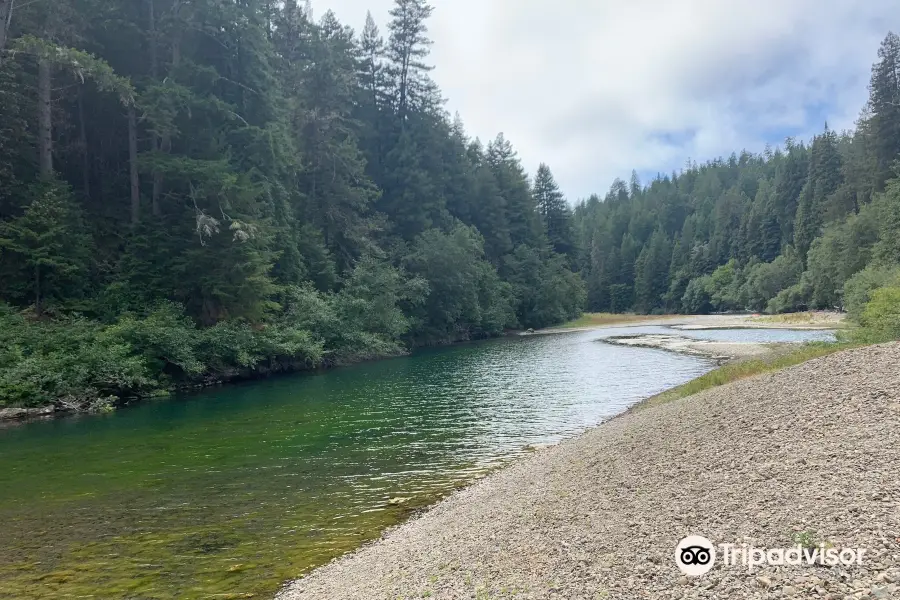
(807, 226)
(195, 191)
(191, 191)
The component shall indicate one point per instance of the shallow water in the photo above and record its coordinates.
(233, 491)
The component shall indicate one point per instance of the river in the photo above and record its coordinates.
(228, 493)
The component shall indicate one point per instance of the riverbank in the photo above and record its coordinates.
(194, 382)
(812, 320)
(721, 352)
(72, 389)
(807, 454)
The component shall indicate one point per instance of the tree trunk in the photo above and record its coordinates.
(6, 10)
(154, 72)
(132, 158)
(176, 51)
(154, 52)
(157, 185)
(45, 119)
(165, 144)
(82, 142)
(37, 290)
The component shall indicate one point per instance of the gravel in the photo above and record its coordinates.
(810, 320)
(718, 351)
(812, 451)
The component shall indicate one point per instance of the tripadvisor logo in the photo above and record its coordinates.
(695, 556)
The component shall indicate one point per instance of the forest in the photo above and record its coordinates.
(808, 226)
(198, 191)
(193, 191)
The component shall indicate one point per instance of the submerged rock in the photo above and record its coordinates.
(11, 414)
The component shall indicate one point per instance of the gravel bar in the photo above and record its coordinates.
(718, 351)
(812, 451)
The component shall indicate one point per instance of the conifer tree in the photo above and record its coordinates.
(371, 65)
(823, 180)
(524, 221)
(554, 210)
(652, 273)
(790, 177)
(884, 106)
(50, 241)
(407, 50)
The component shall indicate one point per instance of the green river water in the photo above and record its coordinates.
(229, 493)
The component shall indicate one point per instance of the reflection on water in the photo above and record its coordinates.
(238, 489)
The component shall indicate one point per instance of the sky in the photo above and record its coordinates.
(598, 88)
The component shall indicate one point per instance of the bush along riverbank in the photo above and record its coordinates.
(75, 363)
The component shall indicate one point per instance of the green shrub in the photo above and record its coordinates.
(80, 363)
(858, 289)
(766, 280)
(880, 319)
(697, 299)
(792, 299)
(165, 337)
(70, 361)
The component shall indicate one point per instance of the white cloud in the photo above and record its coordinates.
(593, 88)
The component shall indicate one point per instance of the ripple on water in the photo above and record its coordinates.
(235, 490)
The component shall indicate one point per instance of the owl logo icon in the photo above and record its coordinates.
(695, 555)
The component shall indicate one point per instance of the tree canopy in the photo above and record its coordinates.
(215, 187)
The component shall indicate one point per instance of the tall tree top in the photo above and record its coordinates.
(406, 50)
(371, 36)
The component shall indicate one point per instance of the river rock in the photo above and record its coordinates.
(9, 414)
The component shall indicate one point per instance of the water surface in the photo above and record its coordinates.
(231, 492)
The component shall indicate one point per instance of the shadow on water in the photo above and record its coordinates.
(233, 491)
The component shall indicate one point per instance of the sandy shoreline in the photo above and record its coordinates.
(808, 453)
(818, 320)
(720, 352)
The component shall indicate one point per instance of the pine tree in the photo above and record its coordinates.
(489, 214)
(597, 281)
(884, 106)
(554, 210)
(790, 177)
(635, 187)
(652, 273)
(768, 232)
(407, 50)
(824, 180)
(371, 65)
(262, 174)
(727, 215)
(760, 232)
(409, 198)
(524, 222)
(337, 192)
(50, 241)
